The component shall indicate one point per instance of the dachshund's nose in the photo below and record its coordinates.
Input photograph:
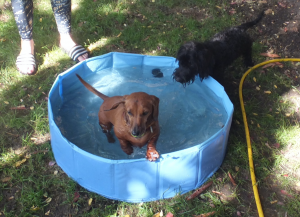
(135, 133)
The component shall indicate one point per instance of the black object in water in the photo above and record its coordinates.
(157, 73)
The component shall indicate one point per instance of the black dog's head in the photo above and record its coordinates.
(194, 59)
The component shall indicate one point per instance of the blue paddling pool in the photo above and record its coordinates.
(194, 124)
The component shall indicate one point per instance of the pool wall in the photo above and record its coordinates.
(136, 180)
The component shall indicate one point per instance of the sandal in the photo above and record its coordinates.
(75, 52)
(26, 59)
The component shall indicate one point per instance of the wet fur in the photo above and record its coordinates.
(134, 118)
(211, 58)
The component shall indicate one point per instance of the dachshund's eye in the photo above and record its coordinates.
(129, 113)
(145, 113)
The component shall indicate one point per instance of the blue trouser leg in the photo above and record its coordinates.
(23, 12)
(62, 14)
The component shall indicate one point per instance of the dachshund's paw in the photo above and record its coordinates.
(128, 150)
(152, 154)
(110, 137)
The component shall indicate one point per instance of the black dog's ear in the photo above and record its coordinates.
(206, 63)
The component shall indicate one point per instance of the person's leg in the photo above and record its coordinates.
(23, 13)
(62, 13)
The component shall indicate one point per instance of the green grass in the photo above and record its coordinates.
(144, 27)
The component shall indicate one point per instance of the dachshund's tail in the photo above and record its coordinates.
(245, 26)
(90, 88)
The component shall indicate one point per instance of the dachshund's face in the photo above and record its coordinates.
(193, 60)
(141, 110)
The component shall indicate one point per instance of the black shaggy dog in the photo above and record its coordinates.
(210, 58)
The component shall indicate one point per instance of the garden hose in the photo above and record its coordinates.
(254, 183)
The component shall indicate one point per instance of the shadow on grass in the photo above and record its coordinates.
(100, 29)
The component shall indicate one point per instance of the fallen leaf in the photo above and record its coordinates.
(6, 102)
(55, 172)
(275, 86)
(76, 196)
(268, 145)
(254, 79)
(282, 4)
(280, 65)
(267, 92)
(170, 214)
(272, 55)
(48, 200)
(41, 19)
(257, 88)
(80, 24)
(269, 11)
(119, 35)
(90, 201)
(31, 107)
(205, 214)
(232, 11)
(34, 208)
(156, 214)
(47, 213)
(287, 114)
(237, 168)
(20, 162)
(237, 121)
(21, 107)
(217, 192)
(5, 179)
(269, 65)
(199, 190)
(280, 203)
(146, 38)
(52, 163)
(12, 197)
(255, 114)
(285, 193)
(274, 201)
(238, 213)
(231, 179)
(258, 125)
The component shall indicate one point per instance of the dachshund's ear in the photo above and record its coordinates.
(155, 103)
(114, 106)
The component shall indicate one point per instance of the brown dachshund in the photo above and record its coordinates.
(134, 117)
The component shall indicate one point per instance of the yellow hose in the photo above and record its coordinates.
(254, 183)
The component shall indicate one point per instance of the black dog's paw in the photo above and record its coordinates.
(157, 73)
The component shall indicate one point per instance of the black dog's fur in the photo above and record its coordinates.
(210, 58)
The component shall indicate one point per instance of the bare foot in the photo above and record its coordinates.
(27, 47)
(67, 42)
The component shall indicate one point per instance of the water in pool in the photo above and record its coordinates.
(187, 116)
